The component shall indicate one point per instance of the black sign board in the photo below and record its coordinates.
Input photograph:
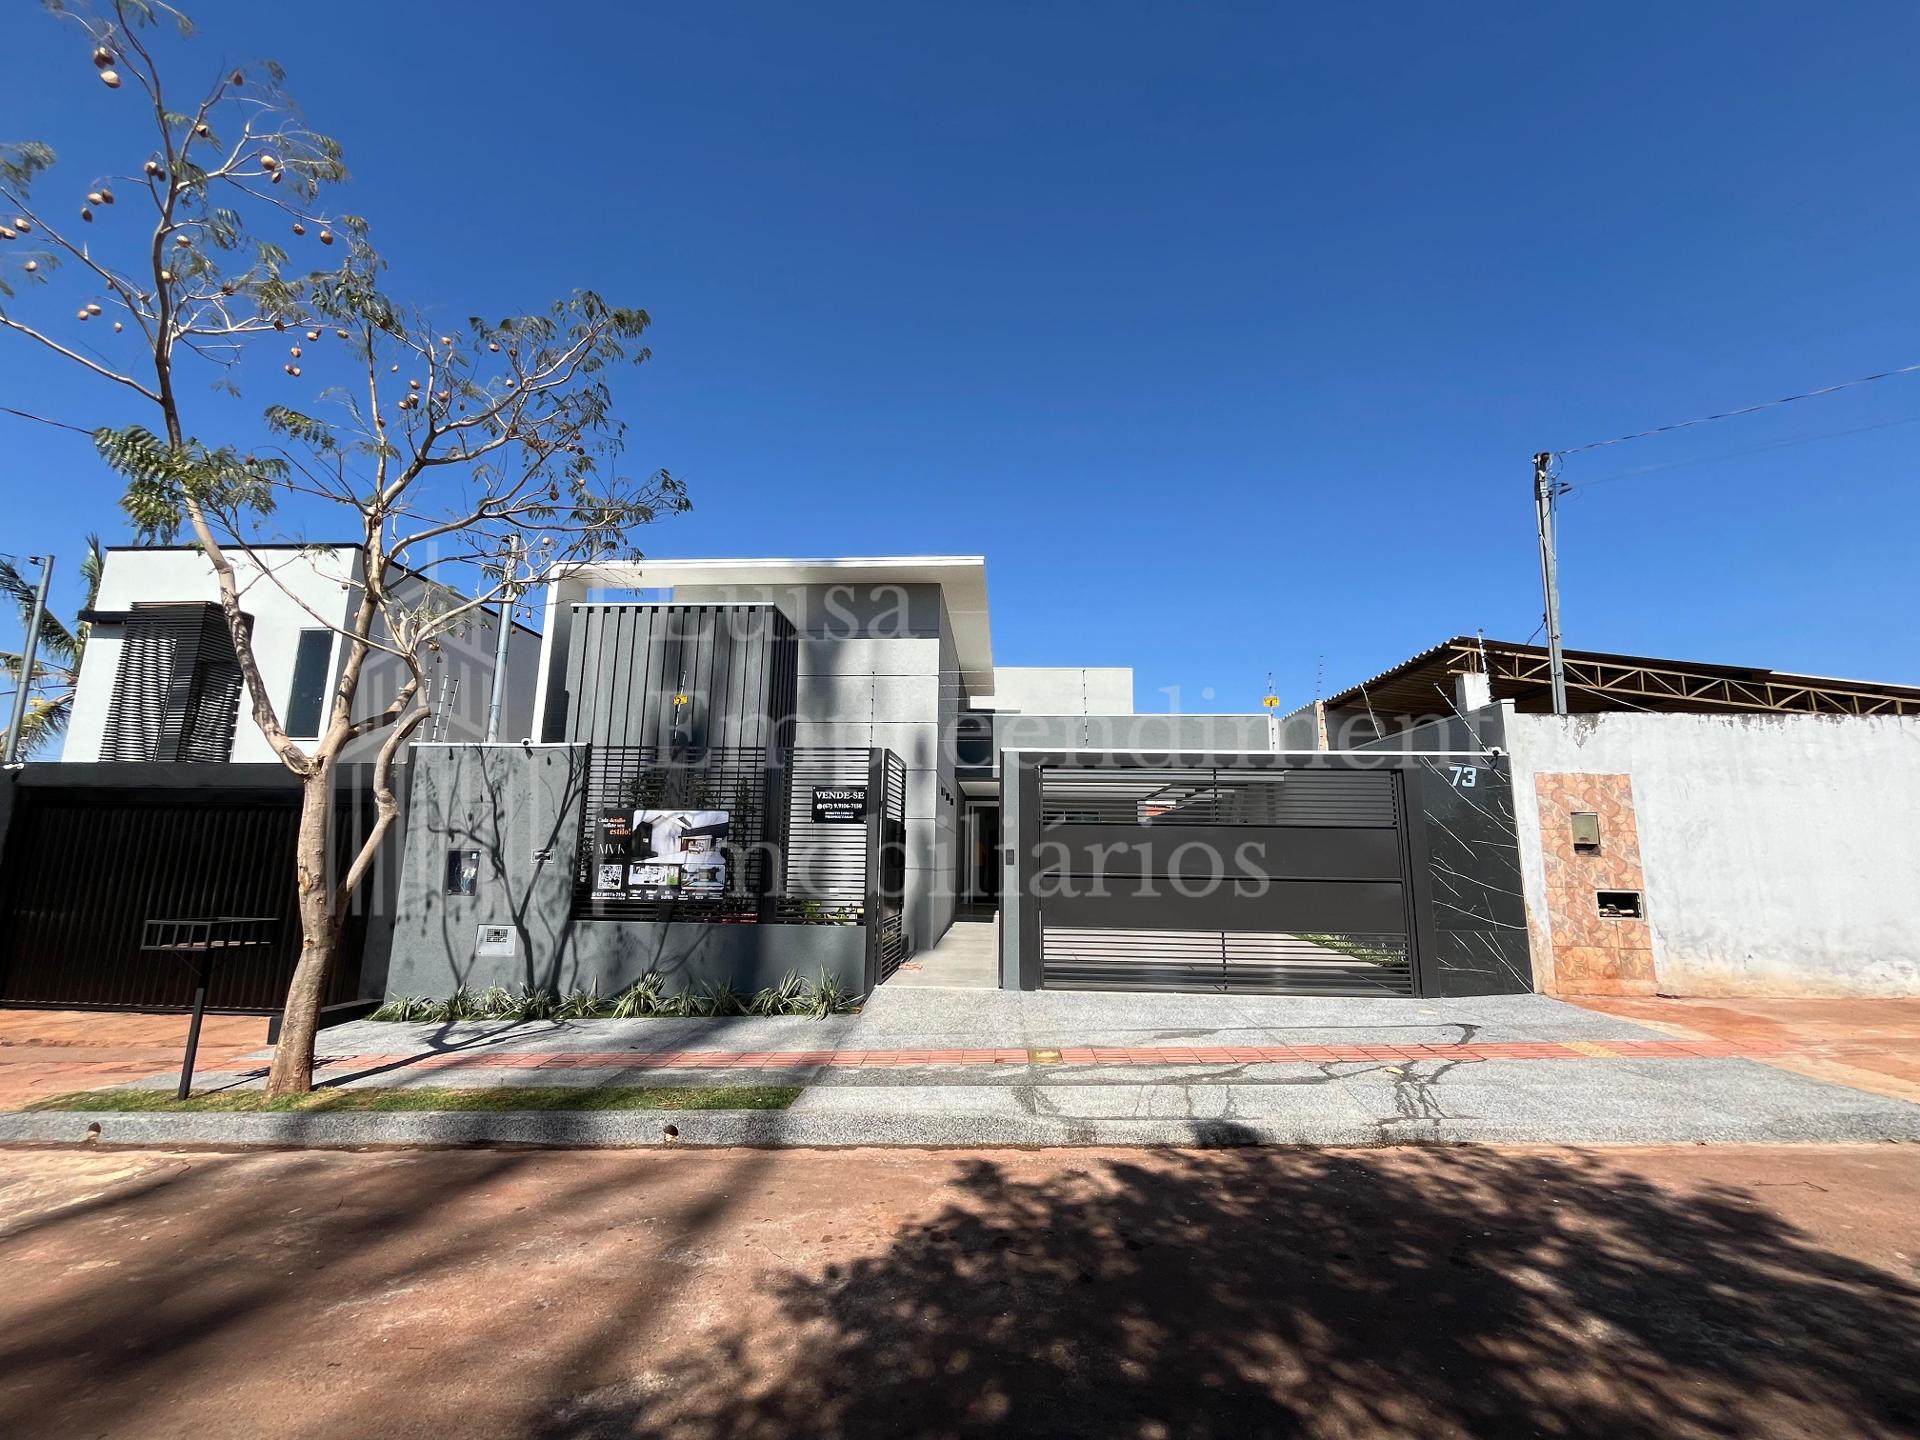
(840, 804)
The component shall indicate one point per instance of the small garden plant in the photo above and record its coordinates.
(647, 997)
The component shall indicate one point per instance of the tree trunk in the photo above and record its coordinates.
(320, 931)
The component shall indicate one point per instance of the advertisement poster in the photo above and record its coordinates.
(613, 846)
(677, 853)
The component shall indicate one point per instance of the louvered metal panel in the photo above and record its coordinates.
(1259, 963)
(176, 693)
(1218, 797)
(700, 677)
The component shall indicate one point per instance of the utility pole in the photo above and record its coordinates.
(29, 652)
(499, 696)
(1546, 491)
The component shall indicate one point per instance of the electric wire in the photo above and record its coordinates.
(1743, 410)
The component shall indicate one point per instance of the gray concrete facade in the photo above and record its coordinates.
(519, 807)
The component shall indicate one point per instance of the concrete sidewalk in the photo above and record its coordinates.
(956, 1067)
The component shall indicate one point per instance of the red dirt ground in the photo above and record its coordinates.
(1687, 1292)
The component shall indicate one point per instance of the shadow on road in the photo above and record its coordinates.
(1178, 1294)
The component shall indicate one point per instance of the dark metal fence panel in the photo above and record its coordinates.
(888, 865)
(807, 836)
(84, 874)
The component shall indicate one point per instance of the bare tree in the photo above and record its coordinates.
(469, 459)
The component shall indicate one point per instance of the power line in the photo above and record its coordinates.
(1743, 410)
(1792, 440)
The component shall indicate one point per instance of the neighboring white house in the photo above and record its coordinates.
(159, 681)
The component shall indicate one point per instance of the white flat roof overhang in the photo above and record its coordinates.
(962, 580)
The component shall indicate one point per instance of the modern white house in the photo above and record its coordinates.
(160, 683)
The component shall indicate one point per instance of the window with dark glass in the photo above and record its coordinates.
(309, 692)
(463, 872)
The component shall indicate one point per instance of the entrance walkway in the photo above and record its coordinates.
(966, 957)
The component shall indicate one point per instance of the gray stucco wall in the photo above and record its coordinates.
(1780, 852)
(1133, 734)
(877, 667)
(519, 807)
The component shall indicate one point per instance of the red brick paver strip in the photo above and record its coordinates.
(1170, 1055)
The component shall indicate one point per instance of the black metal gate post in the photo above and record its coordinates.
(202, 978)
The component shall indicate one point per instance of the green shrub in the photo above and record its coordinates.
(828, 997)
(789, 997)
(528, 1003)
(495, 1003)
(581, 1004)
(406, 1007)
(641, 998)
(459, 1006)
(721, 999)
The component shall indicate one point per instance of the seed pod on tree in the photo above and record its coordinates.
(94, 197)
(86, 214)
(93, 308)
(326, 237)
(22, 224)
(102, 57)
(153, 167)
(298, 228)
(110, 79)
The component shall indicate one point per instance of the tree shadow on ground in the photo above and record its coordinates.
(754, 1295)
(1290, 1292)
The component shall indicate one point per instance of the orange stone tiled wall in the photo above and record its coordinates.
(1593, 955)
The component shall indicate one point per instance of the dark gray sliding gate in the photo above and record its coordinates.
(1265, 874)
(1287, 881)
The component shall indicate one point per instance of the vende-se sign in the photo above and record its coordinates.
(840, 804)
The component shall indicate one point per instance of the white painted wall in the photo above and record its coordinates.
(1781, 853)
(304, 590)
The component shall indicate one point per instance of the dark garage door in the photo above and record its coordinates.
(1257, 881)
(84, 870)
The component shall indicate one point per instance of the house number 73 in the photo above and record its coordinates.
(1465, 777)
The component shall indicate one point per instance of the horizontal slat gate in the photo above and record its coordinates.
(1262, 882)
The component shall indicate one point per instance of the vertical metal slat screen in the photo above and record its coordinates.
(83, 875)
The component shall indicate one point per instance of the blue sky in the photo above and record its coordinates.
(1225, 332)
